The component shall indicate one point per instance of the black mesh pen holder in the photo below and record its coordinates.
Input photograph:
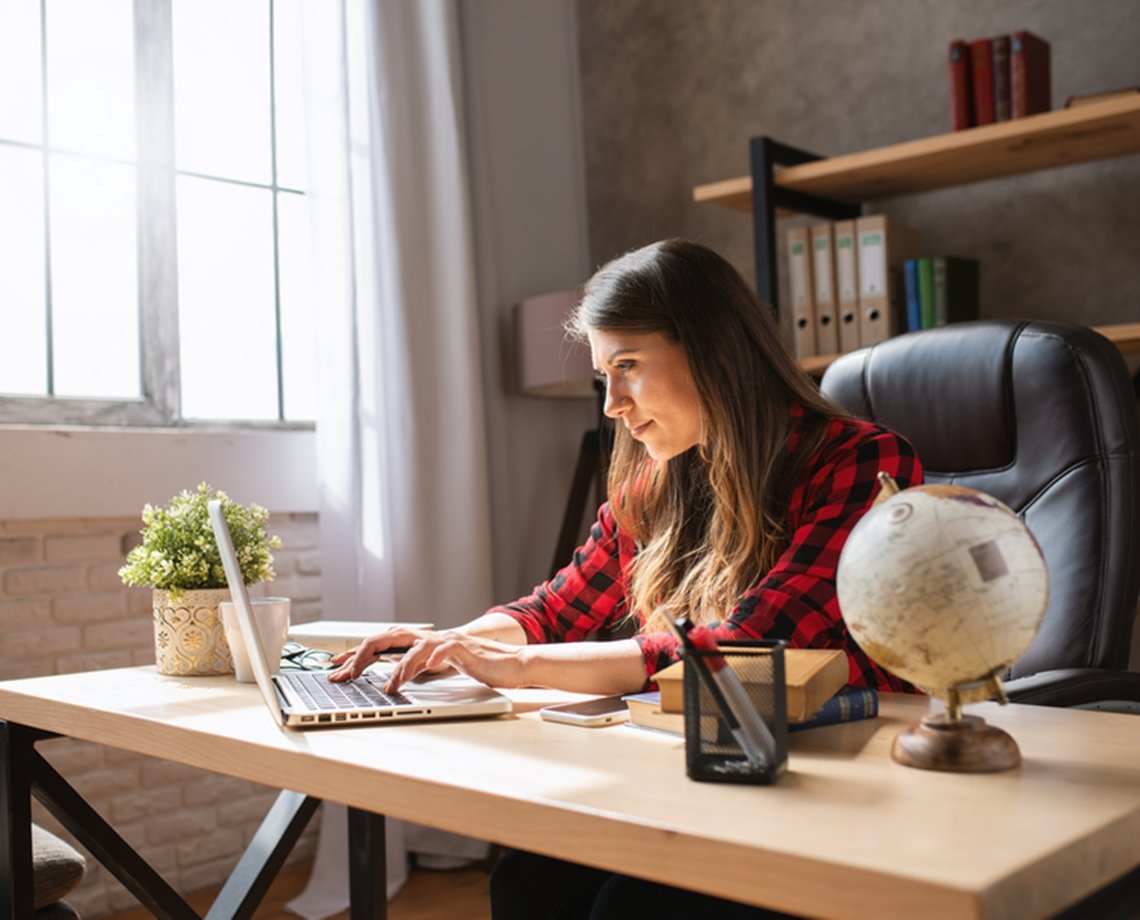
(736, 713)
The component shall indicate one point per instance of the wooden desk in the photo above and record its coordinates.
(846, 832)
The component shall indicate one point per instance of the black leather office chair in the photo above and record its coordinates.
(1043, 417)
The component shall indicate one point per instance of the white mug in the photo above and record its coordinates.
(271, 614)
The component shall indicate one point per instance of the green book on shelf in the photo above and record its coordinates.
(956, 289)
(926, 292)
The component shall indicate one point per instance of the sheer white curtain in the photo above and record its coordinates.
(405, 514)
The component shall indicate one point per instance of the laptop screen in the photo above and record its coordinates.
(240, 597)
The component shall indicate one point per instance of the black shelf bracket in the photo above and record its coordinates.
(765, 154)
(589, 474)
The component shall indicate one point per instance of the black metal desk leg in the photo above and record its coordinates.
(105, 844)
(264, 856)
(367, 866)
(16, 817)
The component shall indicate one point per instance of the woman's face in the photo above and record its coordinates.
(650, 389)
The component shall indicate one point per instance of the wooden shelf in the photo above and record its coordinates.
(1126, 337)
(1095, 131)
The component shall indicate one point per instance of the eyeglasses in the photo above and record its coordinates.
(297, 657)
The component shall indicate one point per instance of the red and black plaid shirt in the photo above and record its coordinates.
(795, 600)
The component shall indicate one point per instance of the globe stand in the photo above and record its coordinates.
(956, 743)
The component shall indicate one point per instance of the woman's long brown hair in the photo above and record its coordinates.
(709, 522)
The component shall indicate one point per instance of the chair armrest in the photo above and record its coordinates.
(1090, 688)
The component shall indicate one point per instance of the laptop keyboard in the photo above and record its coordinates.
(318, 692)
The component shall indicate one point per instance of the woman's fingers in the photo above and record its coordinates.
(413, 662)
(492, 662)
(484, 659)
(351, 664)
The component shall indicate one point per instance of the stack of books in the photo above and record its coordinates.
(999, 78)
(940, 290)
(817, 694)
(845, 280)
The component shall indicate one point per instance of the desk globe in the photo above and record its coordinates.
(944, 586)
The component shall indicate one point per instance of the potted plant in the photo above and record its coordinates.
(179, 559)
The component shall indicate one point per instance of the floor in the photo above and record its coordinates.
(459, 894)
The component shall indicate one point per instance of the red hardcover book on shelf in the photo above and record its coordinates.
(1029, 74)
(961, 100)
(999, 46)
(982, 80)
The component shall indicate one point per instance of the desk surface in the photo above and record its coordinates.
(846, 832)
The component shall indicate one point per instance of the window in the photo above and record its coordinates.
(154, 231)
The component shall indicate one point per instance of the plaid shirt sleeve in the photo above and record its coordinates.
(587, 596)
(796, 600)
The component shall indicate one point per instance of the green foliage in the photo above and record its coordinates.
(179, 553)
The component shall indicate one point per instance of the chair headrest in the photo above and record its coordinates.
(970, 396)
(947, 392)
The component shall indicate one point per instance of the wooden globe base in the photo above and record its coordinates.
(965, 745)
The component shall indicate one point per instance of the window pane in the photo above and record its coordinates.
(298, 328)
(21, 101)
(91, 86)
(23, 333)
(221, 88)
(225, 294)
(94, 277)
(290, 94)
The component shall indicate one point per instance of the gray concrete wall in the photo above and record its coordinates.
(672, 92)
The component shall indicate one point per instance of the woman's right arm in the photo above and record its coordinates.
(584, 598)
(493, 627)
(492, 648)
(497, 626)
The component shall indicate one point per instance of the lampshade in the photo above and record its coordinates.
(549, 364)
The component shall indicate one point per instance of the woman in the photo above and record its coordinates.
(734, 485)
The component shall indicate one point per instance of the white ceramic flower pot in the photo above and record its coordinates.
(188, 634)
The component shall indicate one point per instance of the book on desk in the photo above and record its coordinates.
(811, 676)
(816, 690)
(847, 705)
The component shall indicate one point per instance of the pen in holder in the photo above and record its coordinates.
(736, 718)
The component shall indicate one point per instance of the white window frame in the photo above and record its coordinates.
(159, 405)
(76, 458)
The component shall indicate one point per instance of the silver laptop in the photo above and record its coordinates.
(307, 699)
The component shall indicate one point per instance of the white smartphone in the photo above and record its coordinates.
(605, 710)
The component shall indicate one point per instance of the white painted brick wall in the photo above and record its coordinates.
(64, 609)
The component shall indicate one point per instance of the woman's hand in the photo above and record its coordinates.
(493, 649)
(493, 662)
